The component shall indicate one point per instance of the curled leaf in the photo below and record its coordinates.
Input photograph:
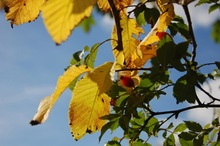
(63, 82)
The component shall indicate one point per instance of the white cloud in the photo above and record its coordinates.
(199, 15)
(107, 22)
(204, 115)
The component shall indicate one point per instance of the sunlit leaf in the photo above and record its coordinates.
(42, 111)
(89, 102)
(2, 5)
(180, 128)
(22, 11)
(161, 25)
(103, 5)
(63, 82)
(129, 29)
(61, 17)
(91, 57)
(170, 141)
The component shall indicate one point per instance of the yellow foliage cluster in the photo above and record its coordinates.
(89, 101)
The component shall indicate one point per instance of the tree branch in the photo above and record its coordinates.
(191, 32)
(173, 113)
(116, 14)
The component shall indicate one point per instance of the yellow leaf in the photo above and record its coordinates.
(122, 4)
(1, 5)
(161, 25)
(22, 11)
(89, 101)
(148, 52)
(42, 111)
(119, 4)
(63, 82)
(62, 16)
(103, 5)
(130, 43)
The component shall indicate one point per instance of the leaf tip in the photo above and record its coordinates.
(34, 122)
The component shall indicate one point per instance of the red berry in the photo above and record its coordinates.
(113, 101)
(127, 81)
(161, 34)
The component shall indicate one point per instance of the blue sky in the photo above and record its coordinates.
(30, 64)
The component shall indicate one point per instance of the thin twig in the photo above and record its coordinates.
(205, 65)
(207, 93)
(191, 32)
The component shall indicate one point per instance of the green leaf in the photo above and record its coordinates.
(198, 141)
(217, 143)
(216, 31)
(87, 23)
(187, 135)
(77, 57)
(181, 28)
(110, 125)
(146, 15)
(213, 134)
(181, 51)
(214, 7)
(151, 16)
(178, 19)
(141, 118)
(184, 89)
(104, 129)
(170, 141)
(215, 122)
(164, 134)
(180, 128)
(152, 127)
(184, 142)
(170, 126)
(139, 14)
(166, 51)
(86, 49)
(113, 143)
(193, 126)
(139, 142)
(203, 2)
(91, 57)
(124, 122)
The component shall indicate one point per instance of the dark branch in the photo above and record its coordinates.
(116, 14)
(173, 113)
(191, 32)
